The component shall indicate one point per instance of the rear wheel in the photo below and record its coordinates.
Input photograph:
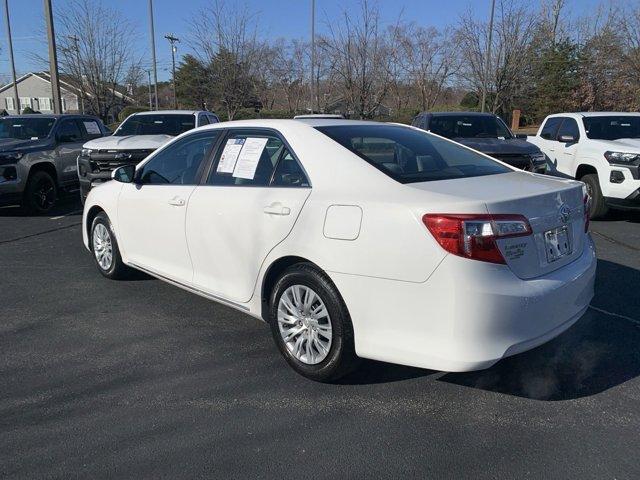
(598, 204)
(104, 247)
(41, 193)
(311, 325)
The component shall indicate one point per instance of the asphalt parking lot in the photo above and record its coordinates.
(139, 379)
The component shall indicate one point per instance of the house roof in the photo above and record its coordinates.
(66, 84)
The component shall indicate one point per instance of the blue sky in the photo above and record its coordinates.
(277, 18)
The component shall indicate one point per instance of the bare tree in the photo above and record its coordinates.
(225, 39)
(288, 71)
(514, 29)
(96, 55)
(361, 56)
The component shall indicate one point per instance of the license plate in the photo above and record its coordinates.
(557, 243)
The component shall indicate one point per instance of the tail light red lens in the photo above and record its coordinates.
(474, 236)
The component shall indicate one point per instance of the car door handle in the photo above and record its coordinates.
(177, 201)
(276, 208)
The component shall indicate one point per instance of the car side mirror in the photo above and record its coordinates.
(567, 138)
(521, 136)
(124, 174)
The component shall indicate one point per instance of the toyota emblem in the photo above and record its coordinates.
(564, 213)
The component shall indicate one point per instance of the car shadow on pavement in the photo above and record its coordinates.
(601, 351)
(66, 206)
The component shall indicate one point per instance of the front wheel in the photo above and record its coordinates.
(41, 193)
(311, 325)
(598, 204)
(104, 247)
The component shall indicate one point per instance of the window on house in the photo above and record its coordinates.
(44, 103)
(64, 104)
(9, 103)
(24, 103)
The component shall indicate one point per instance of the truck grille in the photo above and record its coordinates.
(523, 162)
(108, 160)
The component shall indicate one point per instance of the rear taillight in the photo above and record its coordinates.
(474, 236)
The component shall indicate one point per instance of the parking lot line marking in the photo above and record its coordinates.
(65, 215)
(2, 242)
(624, 317)
(613, 240)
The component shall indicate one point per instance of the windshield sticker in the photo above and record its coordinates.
(92, 128)
(229, 155)
(249, 157)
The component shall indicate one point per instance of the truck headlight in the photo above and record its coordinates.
(10, 157)
(86, 152)
(622, 158)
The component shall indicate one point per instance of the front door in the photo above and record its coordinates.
(249, 204)
(152, 211)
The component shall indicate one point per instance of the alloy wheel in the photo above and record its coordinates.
(102, 246)
(304, 324)
(44, 194)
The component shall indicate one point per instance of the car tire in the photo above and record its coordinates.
(40, 194)
(329, 363)
(104, 248)
(598, 204)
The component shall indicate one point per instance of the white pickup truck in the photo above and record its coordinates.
(600, 148)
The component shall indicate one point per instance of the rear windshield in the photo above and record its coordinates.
(612, 127)
(22, 128)
(408, 155)
(469, 126)
(156, 125)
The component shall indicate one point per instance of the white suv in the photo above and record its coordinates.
(600, 148)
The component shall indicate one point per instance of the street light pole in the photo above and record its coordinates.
(313, 54)
(173, 40)
(16, 98)
(76, 40)
(153, 54)
(53, 58)
(149, 85)
(487, 62)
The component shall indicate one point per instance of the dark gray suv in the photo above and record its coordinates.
(38, 157)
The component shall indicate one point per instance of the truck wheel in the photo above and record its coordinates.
(41, 193)
(598, 205)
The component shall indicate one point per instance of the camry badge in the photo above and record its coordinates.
(564, 213)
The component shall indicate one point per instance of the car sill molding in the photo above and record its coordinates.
(197, 291)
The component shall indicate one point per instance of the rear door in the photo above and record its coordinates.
(547, 139)
(253, 195)
(566, 151)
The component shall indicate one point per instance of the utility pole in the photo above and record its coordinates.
(153, 54)
(313, 54)
(76, 44)
(53, 58)
(149, 84)
(487, 62)
(173, 40)
(16, 98)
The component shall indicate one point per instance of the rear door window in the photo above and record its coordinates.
(247, 158)
(550, 128)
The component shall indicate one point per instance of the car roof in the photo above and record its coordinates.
(452, 114)
(594, 114)
(318, 115)
(330, 122)
(51, 115)
(171, 112)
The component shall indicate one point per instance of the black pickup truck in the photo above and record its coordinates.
(486, 133)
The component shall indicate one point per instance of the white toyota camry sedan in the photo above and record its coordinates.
(354, 240)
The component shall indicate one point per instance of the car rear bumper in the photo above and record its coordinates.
(467, 315)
